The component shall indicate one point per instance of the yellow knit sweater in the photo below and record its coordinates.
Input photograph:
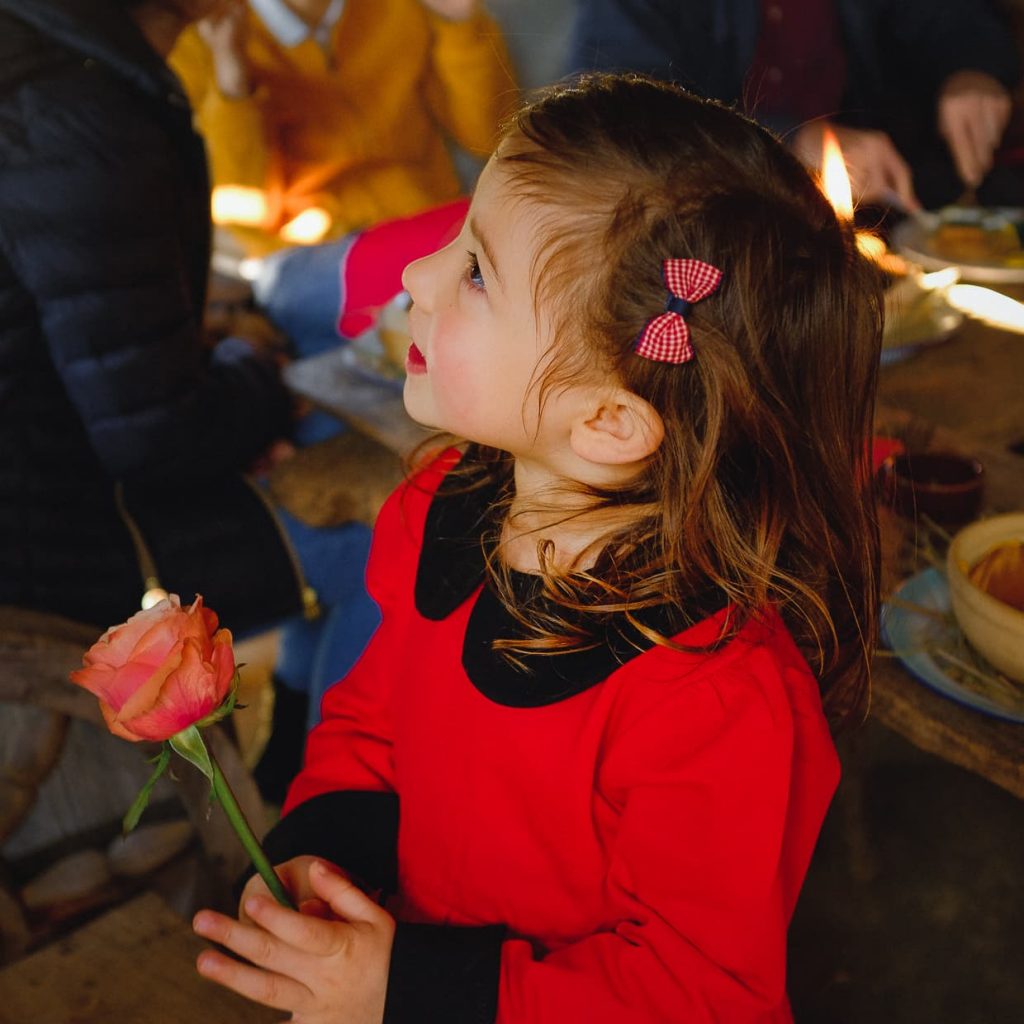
(358, 130)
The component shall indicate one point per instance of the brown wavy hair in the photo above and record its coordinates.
(762, 485)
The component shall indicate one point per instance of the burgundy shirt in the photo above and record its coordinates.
(799, 66)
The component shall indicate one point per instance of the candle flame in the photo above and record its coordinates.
(835, 182)
(307, 227)
(238, 204)
(991, 307)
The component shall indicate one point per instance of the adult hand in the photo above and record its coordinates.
(973, 112)
(321, 971)
(452, 10)
(225, 31)
(878, 174)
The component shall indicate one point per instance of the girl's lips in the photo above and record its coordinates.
(414, 361)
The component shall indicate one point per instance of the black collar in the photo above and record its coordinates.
(452, 567)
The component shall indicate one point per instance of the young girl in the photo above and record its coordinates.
(583, 763)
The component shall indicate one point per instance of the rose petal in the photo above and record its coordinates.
(148, 693)
(209, 616)
(223, 660)
(113, 686)
(110, 717)
(116, 645)
(189, 693)
(154, 646)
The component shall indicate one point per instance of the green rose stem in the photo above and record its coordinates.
(223, 795)
(189, 744)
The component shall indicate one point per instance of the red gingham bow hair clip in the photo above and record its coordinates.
(666, 338)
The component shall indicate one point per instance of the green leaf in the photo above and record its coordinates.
(131, 819)
(189, 744)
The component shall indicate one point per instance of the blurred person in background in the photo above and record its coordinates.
(323, 118)
(333, 115)
(124, 437)
(917, 91)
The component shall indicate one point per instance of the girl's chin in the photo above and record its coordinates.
(412, 407)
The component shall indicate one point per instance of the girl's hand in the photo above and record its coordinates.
(452, 10)
(974, 109)
(294, 874)
(225, 31)
(321, 971)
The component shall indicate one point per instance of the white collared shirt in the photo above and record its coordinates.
(289, 29)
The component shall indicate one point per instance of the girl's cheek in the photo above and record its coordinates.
(454, 384)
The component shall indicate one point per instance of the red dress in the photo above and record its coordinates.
(622, 842)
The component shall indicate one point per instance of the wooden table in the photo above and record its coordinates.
(971, 391)
(134, 965)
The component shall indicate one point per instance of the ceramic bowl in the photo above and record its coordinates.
(944, 486)
(995, 629)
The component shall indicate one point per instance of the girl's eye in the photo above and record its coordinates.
(474, 277)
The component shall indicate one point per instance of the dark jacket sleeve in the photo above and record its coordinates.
(95, 208)
(355, 829)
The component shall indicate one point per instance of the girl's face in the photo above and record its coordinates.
(479, 346)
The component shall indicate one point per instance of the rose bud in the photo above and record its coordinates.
(163, 670)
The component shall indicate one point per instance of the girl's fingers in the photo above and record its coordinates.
(316, 907)
(240, 937)
(252, 982)
(306, 932)
(345, 898)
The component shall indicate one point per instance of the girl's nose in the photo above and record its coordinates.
(415, 280)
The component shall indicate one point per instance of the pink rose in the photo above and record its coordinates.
(161, 671)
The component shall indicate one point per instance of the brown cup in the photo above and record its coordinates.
(943, 486)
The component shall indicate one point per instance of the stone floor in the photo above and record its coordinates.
(935, 935)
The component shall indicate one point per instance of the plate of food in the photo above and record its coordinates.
(919, 627)
(915, 317)
(986, 243)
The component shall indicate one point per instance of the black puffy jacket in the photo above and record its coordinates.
(122, 436)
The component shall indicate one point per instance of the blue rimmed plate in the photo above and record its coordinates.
(912, 634)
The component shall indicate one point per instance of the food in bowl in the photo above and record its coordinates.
(994, 627)
(1000, 573)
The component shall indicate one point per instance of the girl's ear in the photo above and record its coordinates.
(619, 428)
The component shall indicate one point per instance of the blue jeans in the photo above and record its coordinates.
(315, 654)
(299, 290)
